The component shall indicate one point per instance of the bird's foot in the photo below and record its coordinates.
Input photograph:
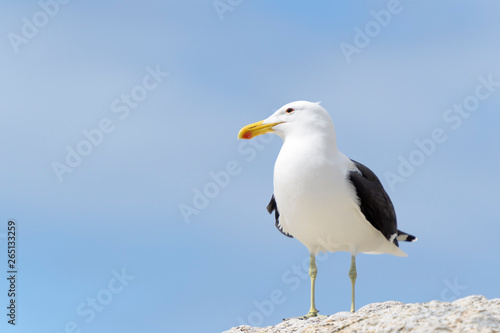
(310, 314)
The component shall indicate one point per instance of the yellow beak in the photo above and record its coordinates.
(252, 130)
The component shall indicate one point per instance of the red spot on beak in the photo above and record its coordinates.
(247, 135)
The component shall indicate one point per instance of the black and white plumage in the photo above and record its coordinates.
(375, 204)
(321, 197)
(272, 208)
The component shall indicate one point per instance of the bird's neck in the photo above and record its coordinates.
(312, 144)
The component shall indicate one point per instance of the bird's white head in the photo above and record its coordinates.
(296, 118)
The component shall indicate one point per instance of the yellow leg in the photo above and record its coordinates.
(313, 271)
(353, 275)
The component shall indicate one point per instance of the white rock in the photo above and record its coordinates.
(470, 314)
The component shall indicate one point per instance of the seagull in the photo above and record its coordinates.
(323, 198)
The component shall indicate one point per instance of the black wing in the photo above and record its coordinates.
(375, 204)
(273, 208)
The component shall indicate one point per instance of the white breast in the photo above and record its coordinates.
(317, 204)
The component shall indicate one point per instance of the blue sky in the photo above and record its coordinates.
(106, 246)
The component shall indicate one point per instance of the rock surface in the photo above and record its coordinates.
(469, 314)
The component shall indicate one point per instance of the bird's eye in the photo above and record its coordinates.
(289, 110)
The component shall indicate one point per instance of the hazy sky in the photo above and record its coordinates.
(138, 210)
